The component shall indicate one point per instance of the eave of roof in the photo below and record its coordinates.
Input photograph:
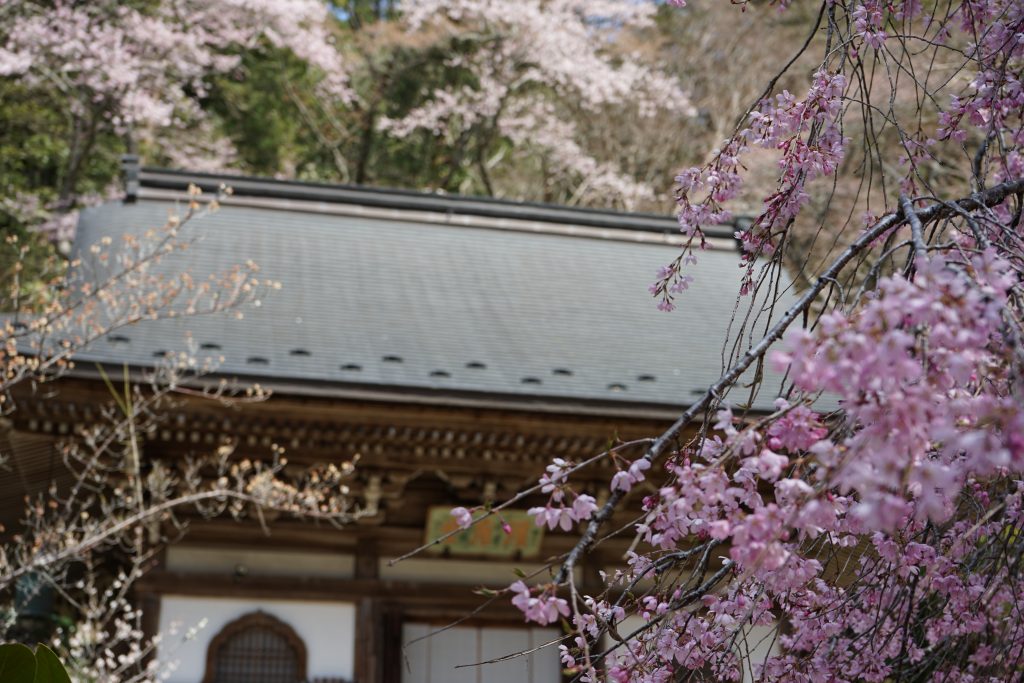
(401, 393)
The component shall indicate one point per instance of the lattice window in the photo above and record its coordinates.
(256, 648)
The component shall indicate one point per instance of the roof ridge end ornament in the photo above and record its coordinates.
(131, 167)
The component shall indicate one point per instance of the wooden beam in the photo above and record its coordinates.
(390, 541)
(421, 597)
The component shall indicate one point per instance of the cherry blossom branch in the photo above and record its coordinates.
(100, 537)
(916, 230)
(991, 197)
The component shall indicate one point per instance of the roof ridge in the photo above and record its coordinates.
(255, 186)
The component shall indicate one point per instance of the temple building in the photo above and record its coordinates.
(455, 345)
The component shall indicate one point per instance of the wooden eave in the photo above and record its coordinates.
(410, 455)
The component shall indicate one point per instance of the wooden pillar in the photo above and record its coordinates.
(368, 650)
(378, 641)
(148, 602)
(391, 643)
(378, 625)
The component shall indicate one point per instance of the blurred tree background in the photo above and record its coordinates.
(279, 123)
(565, 101)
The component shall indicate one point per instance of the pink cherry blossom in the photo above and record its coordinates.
(463, 517)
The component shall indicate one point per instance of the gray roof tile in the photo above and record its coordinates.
(443, 308)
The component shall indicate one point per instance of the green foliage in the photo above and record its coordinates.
(31, 140)
(30, 258)
(256, 107)
(401, 78)
(18, 664)
(270, 109)
(48, 668)
(359, 13)
(34, 136)
(35, 130)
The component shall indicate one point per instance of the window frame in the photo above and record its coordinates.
(259, 619)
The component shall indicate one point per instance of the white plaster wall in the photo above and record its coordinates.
(327, 628)
(757, 644)
(433, 659)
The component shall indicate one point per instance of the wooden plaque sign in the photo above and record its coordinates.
(486, 537)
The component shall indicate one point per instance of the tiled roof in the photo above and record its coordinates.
(389, 301)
